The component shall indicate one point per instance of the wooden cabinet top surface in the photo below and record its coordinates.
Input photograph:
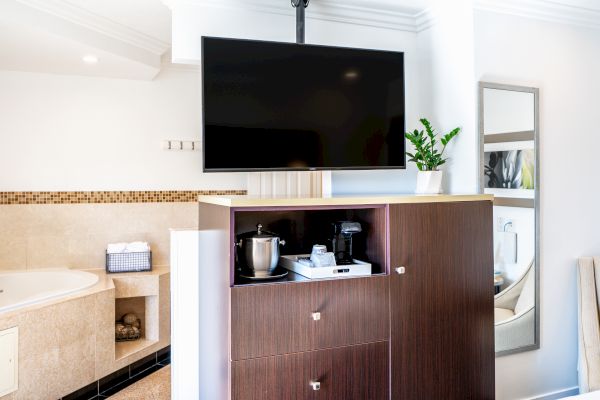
(257, 201)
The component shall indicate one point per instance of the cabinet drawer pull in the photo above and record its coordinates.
(316, 316)
(315, 385)
(400, 270)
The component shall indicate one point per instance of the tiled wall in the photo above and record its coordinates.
(67, 344)
(76, 235)
(72, 229)
(147, 196)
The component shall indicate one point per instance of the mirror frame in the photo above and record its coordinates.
(511, 136)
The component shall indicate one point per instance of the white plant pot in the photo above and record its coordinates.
(429, 182)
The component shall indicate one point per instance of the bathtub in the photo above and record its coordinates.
(19, 289)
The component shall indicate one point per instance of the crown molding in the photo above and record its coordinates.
(377, 14)
(74, 14)
(385, 14)
(380, 14)
(425, 19)
(545, 10)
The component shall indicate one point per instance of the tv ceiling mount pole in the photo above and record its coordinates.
(300, 5)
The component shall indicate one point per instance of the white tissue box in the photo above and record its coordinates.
(290, 262)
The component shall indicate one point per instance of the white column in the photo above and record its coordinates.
(290, 183)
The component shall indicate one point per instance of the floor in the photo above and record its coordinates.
(156, 386)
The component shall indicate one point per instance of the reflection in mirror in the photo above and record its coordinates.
(509, 170)
(507, 111)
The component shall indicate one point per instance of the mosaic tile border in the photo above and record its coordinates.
(149, 196)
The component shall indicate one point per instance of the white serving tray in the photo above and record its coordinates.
(359, 268)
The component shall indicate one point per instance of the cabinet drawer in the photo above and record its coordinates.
(270, 319)
(353, 311)
(354, 372)
(278, 319)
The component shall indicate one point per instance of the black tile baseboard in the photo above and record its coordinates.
(113, 379)
(86, 392)
(119, 380)
(164, 356)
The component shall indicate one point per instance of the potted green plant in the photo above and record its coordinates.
(428, 156)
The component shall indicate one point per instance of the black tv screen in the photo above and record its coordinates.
(286, 106)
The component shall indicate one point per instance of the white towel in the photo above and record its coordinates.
(507, 247)
(113, 248)
(137, 247)
(133, 247)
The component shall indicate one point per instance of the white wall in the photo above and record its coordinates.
(191, 22)
(563, 61)
(61, 132)
(448, 91)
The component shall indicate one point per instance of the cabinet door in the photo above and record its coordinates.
(353, 372)
(273, 378)
(352, 311)
(442, 319)
(271, 319)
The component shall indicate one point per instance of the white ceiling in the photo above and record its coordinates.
(27, 48)
(131, 36)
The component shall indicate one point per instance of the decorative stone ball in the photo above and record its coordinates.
(136, 324)
(134, 331)
(129, 319)
(119, 329)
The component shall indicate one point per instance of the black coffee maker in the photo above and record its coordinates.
(342, 241)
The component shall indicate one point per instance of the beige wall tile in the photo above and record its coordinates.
(66, 345)
(76, 235)
(76, 366)
(105, 333)
(35, 374)
(135, 286)
(164, 308)
(13, 250)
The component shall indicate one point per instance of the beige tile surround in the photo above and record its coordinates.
(68, 343)
(75, 235)
(65, 344)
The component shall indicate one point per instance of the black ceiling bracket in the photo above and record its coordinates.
(300, 5)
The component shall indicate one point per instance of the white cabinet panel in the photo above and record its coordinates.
(9, 348)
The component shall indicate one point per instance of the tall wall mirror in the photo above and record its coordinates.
(509, 131)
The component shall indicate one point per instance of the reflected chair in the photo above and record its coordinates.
(514, 313)
(588, 367)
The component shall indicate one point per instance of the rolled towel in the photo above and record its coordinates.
(137, 247)
(133, 247)
(114, 248)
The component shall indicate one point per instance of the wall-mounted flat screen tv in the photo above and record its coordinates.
(286, 106)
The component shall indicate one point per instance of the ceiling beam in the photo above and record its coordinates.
(75, 23)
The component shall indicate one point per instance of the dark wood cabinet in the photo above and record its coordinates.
(273, 378)
(425, 331)
(355, 372)
(278, 319)
(442, 338)
(358, 372)
(270, 319)
(352, 311)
